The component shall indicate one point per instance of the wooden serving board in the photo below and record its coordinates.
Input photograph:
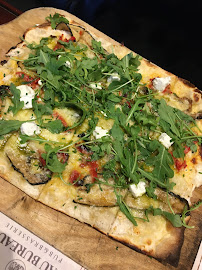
(78, 241)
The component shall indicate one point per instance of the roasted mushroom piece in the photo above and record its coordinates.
(30, 169)
(28, 165)
(63, 26)
(4, 90)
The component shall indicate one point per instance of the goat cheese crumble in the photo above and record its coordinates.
(95, 86)
(26, 95)
(30, 129)
(100, 132)
(138, 190)
(114, 77)
(68, 64)
(160, 84)
(165, 140)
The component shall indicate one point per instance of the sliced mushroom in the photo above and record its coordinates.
(26, 164)
(65, 27)
(97, 194)
(4, 90)
(143, 202)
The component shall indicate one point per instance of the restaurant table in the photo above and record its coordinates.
(8, 12)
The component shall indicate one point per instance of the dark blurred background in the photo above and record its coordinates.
(168, 33)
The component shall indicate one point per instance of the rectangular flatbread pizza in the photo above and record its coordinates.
(95, 131)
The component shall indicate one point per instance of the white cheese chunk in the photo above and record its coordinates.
(30, 129)
(100, 132)
(40, 82)
(26, 95)
(68, 64)
(138, 190)
(103, 113)
(114, 77)
(165, 140)
(95, 86)
(160, 84)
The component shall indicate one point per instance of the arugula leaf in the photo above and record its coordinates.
(183, 116)
(161, 162)
(41, 109)
(113, 98)
(7, 126)
(175, 219)
(18, 105)
(97, 46)
(95, 75)
(124, 209)
(52, 162)
(56, 19)
(159, 182)
(54, 126)
(43, 57)
(89, 63)
(178, 151)
(167, 114)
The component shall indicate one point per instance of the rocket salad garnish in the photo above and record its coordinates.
(132, 143)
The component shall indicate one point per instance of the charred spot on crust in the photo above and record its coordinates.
(199, 116)
(198, 91)
(194, 160)
(12, 48)
(187, 83)
(3, 62)
(196, 97)
(189, 101)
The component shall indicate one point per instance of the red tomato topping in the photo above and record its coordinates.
(74, 176)
(42, 160)
(179, 162)
(57, 46)
(93, 169)
(128, 103)
(93, 166)
(150, 85)
(27, 78)
(167, 90)
(59, 117)
(72, 39)
(65, 39)
(187, 149)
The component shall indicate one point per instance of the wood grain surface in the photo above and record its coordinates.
(78, 241)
